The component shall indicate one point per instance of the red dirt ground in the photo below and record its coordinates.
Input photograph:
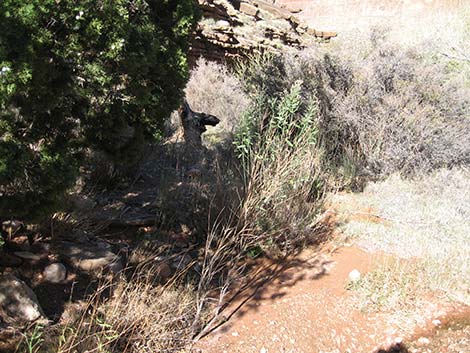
(303, 307)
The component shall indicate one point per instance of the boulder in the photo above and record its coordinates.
(55, 273)
(87, 257)
(18, 301)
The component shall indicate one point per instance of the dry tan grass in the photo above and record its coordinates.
(140, 315)
(426, 219)
(280, 205)
(393, 285)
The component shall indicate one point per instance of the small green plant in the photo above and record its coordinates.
(65, 332)
(105, 335)
(273, 123)
(32, 342)
(254, 252)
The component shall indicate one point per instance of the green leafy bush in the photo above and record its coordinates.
(277, 144)
(78, 74)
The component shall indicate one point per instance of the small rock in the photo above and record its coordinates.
(18, 300)
(354, 276)
(222, 24)
(263, 350)
(436, 322)
(12, 226)
(398, 340)
(423, 341)
(72, 312)
(55, 273)
(116, 266)
(235, 334)
(86, 256)
(164, 270)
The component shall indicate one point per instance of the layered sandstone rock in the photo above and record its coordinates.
(238, 27)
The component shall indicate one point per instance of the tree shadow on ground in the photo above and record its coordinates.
(268, 279)
(271, 281)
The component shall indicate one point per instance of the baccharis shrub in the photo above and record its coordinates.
(75, 74)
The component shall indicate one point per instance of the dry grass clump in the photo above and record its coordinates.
(131, 315)
(426, 218)
(140, 311)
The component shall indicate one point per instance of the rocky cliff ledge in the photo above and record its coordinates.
(231, 28)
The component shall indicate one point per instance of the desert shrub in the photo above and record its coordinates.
(383, 109)
(75, 74)
(140, 315)
(215, 90)
(407, 114)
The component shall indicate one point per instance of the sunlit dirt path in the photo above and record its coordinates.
(307, 308)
